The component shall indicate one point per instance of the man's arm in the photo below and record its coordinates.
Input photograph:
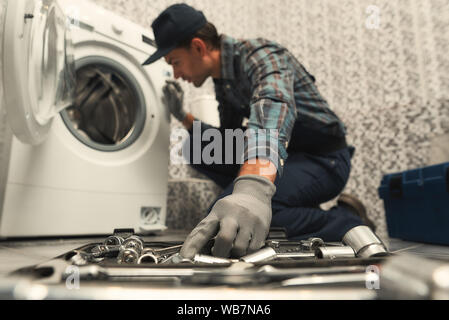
(240, 222)
(272, 105)
(261, 167)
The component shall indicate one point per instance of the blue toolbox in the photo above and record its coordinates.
(417, 204)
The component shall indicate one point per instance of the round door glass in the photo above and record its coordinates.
(52, 67)
(108, 113)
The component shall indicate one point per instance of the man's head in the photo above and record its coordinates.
(188, 42)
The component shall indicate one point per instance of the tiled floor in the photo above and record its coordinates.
(18, 254)
(15, 254)
(430, 251)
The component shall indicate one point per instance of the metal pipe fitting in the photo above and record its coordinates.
(365, 242)
(407, 276)
(335, 252)
(113, 241)
(131, 250)
(148, 257)
(128, 256)
(312, 244)
(262, 255)
(133, 242)
(201, 258)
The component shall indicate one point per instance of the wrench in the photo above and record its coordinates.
(156, 256)
(268, 254)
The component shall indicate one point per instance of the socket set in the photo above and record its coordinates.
(126, 248)
(127, 257)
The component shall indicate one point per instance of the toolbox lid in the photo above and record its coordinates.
(421, 182)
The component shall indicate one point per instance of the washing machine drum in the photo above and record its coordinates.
(108, 111)
(104, 106)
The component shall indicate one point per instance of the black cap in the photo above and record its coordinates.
(175, 24)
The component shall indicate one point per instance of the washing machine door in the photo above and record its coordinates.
(38, 67)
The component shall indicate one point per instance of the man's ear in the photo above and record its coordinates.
(199, 46)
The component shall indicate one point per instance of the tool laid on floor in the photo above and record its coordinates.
(407, 276)
(365, 242)
(126, 257)
(151, 255)
(335, 252)
(240, 273)
(131, 250)
(128, 248)
(268, 254)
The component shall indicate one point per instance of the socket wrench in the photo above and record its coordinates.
(268, 253)
(156, 256)
(335, 252)
(365, 242)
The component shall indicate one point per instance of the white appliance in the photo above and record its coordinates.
(87, 157)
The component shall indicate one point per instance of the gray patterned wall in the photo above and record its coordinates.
(388, 82)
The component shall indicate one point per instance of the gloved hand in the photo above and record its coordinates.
(173, 98)
(242, 220)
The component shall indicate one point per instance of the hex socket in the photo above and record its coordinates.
(265, 254)
(334, 252)
(364, 242)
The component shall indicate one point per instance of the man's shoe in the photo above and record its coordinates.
(356, 207)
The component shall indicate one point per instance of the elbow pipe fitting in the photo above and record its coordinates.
(365, 242)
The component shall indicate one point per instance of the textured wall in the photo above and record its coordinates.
(389, 84)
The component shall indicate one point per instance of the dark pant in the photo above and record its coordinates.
(307, 181)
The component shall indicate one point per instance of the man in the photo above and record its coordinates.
(283, 186)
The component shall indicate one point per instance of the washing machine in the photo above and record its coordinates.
(90, 146)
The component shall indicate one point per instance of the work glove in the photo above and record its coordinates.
(173, 98)
(241, 219)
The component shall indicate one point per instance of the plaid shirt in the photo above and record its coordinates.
(262, 81)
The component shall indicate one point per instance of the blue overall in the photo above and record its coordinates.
(308, 180)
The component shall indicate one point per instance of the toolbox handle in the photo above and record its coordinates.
(396, 186)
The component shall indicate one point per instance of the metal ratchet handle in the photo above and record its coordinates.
(156, 256)
(168, 250)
